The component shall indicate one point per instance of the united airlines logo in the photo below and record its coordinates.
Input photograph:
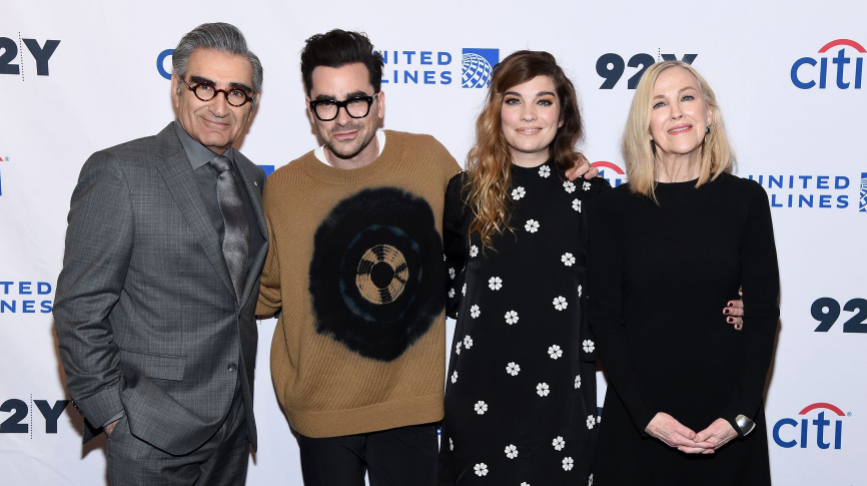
(862, 202)
(813, 191)
(432, 67)
(477, 65)
(804, 73)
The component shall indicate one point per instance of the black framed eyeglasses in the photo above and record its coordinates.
(356, 107)
(206, 91)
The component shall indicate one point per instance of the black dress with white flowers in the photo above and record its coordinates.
(521, 386)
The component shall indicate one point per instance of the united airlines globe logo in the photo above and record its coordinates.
(475, 71)
(862, 202)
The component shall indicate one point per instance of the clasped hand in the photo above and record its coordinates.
(674, 434)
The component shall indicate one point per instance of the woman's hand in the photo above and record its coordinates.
(735, 312)
(580, 168)
(718, 434)
(674, 434)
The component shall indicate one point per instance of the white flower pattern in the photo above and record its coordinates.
(555, 352)
(531, 226)
(481, 407)
(558, 443)
(513, 368)
(511, 451)
(505, 297)
(576, 205)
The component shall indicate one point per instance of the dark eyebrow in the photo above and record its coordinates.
(538, 95)
(241, 86)
(354, 94)
(199, 79)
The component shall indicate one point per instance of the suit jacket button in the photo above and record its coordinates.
(233, 367)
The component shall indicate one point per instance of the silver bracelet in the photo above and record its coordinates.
(745, 424)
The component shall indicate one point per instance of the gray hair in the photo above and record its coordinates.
(218, 36)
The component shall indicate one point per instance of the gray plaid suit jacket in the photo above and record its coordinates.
(146, 316)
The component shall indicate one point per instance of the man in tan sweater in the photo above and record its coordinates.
(355, 269)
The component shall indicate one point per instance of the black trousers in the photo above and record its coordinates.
(405, 456)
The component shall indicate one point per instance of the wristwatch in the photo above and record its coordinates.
(745, 424)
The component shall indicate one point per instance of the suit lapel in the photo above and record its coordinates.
(178, 175)
(255, 193)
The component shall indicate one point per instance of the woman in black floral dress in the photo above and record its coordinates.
(521, 384)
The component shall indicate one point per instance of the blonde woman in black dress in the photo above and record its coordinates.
(684, 403)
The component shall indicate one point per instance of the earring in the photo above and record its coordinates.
(707, 129)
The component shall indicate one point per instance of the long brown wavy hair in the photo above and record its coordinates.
(489, 163)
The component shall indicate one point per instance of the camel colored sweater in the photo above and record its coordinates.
(355, 268)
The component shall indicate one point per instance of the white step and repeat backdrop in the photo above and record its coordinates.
(76, 77)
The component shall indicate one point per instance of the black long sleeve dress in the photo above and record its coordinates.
(658, 277)
(520, 406)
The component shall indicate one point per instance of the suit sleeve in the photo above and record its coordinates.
(454, 244)
(605, 305)
(99, 244)
(270, 300)
(761, 285)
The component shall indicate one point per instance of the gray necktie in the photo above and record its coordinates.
(237, 229)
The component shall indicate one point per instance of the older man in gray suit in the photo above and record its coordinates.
(154, 308)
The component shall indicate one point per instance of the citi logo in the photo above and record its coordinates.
(611, 172)
(805, 77)
(789, 432)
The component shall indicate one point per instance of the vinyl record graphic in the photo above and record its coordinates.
(377, 273)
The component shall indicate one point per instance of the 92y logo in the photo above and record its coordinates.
(827, 311)
(611, 67)
(41, 54)
(17, 423)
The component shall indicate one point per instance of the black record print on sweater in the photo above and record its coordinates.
(377, 272)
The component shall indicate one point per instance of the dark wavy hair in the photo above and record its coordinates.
(337, 48)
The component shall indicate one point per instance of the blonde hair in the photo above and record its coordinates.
(489, 163)
(639, 151)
